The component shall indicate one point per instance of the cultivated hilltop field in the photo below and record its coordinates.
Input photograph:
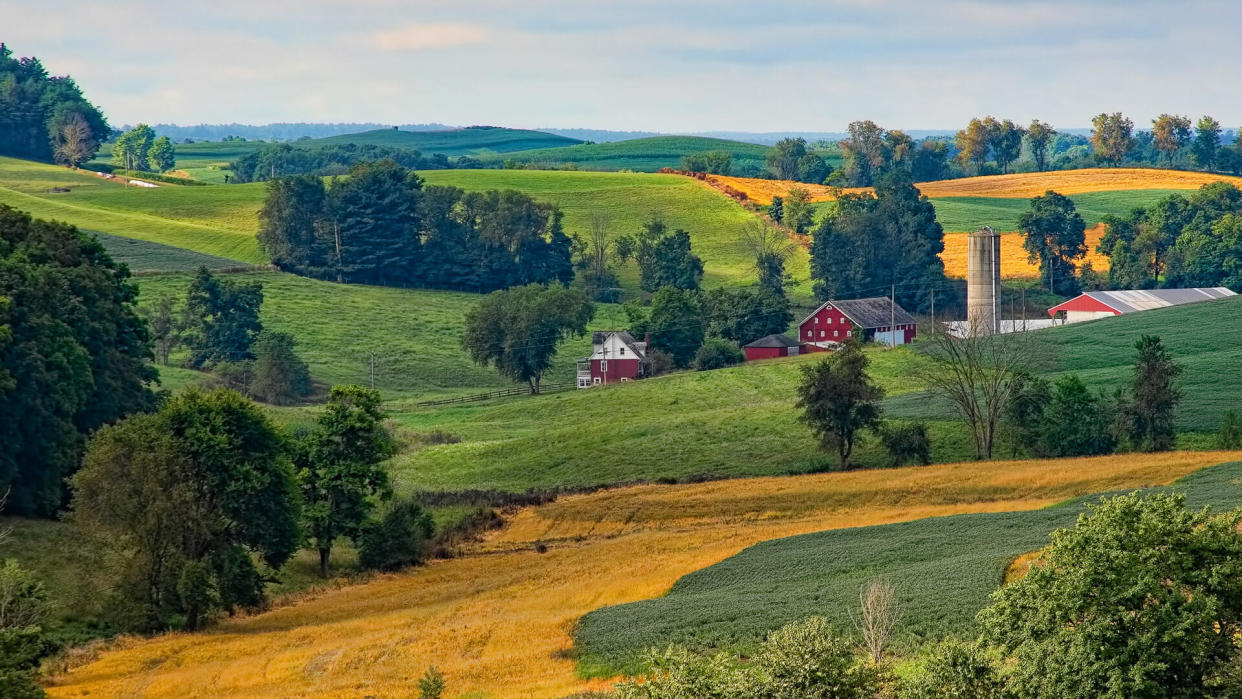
(697, 508)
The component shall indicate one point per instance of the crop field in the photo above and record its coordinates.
(144, 257)
(641, 154)
(1017, 186)
(414, 333)
(944, 569)
(1014, 261)
(452, 142)
(499, 624)
(628, 200)
(962, 214)
(208, 220)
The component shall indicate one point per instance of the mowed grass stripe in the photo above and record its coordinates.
(500, 623)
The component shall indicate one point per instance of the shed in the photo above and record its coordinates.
(1103, 304)
(770, 347)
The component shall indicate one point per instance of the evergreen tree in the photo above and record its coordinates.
(280, 377)
(373, 214)
(44, 117)
(1155, 396)
(291, 225)
(221, 319)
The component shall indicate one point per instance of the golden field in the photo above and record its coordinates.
(1014, 261)
(497, 622)
(1026, 184)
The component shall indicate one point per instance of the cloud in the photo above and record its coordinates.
(430, 35)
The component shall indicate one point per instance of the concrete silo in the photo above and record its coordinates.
(983, 282)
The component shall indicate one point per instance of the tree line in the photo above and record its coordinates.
(45, 117)
(283, 159)
(140, 150)
(380, 225)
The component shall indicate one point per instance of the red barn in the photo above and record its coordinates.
(617, 358)
(879, 319)
(771, 347)
(1103, 304)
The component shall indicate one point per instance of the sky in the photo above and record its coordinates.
(655, 65)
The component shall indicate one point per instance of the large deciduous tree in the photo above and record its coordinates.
(676, 324)
(1142, 598)
(1006, 138)
(162, 156)
(518, 330)
(1170, 133)
(221, 319)
(1055, 236)
(1112, 137)
(340, 468)
(132, 149)
(1039, 135)
(839, 399)
(73, 356)
(1207, 142)
(973, 144)
(665, 259)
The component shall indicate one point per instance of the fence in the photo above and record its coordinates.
(502, 393)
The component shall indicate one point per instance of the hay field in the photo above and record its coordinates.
(1014, 261)
(498, 622)
(1020, 185)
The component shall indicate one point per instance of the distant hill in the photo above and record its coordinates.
(473, 140)
(284, 131)
(643, 154)
(601, 135)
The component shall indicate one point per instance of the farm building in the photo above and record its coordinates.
(617, 357)
(882, 320)
(771, 347)
(1103, 304)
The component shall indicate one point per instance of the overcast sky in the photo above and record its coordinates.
(659, 65)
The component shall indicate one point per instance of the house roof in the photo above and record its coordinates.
(876, 312)
(1130, 301)
(638, 348)
(776, 340)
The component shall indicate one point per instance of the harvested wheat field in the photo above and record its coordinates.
(497, 622)
(1014, 261)
(1021, 185)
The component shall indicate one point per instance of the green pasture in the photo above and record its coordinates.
(474, 141)
(640, 154)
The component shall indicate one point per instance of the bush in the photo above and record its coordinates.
(717, 353)
(954, 670)
(677, 673)
(431, 685)
(906, 443)
(396, 541)
(660, 362)
(807, 660)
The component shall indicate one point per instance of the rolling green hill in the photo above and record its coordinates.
(641, 154)
(468, 141)
(944, 568)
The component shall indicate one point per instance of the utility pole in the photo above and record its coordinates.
(933, 309)
(372, 370)
(892, 317)
(336, 228)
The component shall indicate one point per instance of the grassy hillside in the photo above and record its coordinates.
(641, 154)
(943, 569)
(470, 141)
(145, 257)
(969, 213)
(497, 622)
(628, 200)
(414, 333)
(216, 221)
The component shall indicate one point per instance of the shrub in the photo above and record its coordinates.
(807, 660)
(1230, 435)
(906, 443)
(278, 375)
(431, 685)
(397, 540)
(677, 673)
(660, 362)
(717, 353)
(954, 670)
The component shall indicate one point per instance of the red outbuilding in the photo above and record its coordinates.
(771, 347)
(879, 319)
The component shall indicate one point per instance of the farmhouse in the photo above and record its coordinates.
(771, 347)
(617, 357)
(1103, 304)
(878, 318)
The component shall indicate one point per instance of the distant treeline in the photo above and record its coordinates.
(380, 225)
(282, 159)
(44, 117)
(288, 131)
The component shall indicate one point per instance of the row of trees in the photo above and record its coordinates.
(44, 117)
(283, 160)
(1141, 598)
(381, 226)
(140, 149)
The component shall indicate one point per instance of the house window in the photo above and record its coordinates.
(835, 333)
(624, 379)
(603, 365)
(822, 333)
(830, 320)
(621, 351)
(817, 320)
(583, 383)
(596, 381)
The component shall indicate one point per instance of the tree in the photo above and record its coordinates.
(808, 660)
(1155, 396)
(73, 141)
(973, 144)
(777, 208)
(978, 374)
(955, 669)
(1024, 412)
(796, 211)
(75, 355)
(431, 684)
(1075, 422)
(665, 259)
(770, 247)
(291, 227)
(36, 107)
(518, 329)
(1055, 236)
(877, 618)
(930, 161)
(717, 353)
(782, 160)
(132, 149)
(1039, 135)
(162, 157)
(373, 218)
(165, 328)
(1170, 133)
(838, 399)
(221, 319)
(744, 316)
(1207, 142)
(676, 324)
(594, 258)
(1006, 140)
(398, 539)
(715, 162)
(340, 468)
(24, 610)
(280, 375)
(905, 443)
(185, 498)
(1112, 137)
(1230, 434)
(866, 152)
(1142, 598)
